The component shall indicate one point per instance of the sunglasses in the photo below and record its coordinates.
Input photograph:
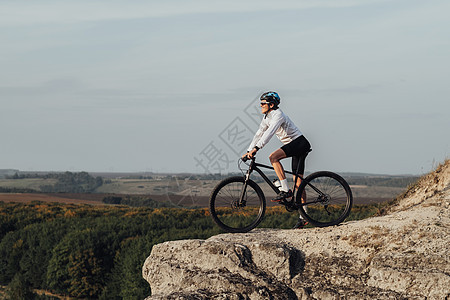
(264, 103)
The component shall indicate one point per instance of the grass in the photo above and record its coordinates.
(26, 183)
(368, 239)
(427, 181)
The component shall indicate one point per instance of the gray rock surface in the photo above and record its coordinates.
(401, 255)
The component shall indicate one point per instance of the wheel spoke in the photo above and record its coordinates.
(329, 199)
(225, 208)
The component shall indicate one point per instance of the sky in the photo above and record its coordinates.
(174, 86)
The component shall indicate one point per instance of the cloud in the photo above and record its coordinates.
(19, 13)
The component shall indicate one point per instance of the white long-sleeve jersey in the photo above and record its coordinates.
(275, 122)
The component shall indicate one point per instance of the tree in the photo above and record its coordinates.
(77, 265)
(19, 289)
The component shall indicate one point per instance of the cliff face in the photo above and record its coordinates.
(402, 255)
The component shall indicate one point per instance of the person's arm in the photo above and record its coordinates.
(262, 128)
(274, 124)
(252, 148)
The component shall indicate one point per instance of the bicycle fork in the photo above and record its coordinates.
(243, 199)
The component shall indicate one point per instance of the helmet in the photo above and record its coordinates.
(271, 97)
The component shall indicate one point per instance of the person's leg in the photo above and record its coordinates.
(275, 158)
(298, 165)
(297, 185)
(301, 222)
(299, 180)
(299, 150)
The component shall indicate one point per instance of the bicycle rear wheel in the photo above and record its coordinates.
(328, 199)
(226, 209)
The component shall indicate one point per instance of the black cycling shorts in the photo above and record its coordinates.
(298, 149)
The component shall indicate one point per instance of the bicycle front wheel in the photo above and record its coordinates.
(236, 206)
(326, 199)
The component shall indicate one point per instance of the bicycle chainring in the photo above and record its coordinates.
(290, 206)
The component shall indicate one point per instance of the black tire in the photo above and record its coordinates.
(331, 205)
(225, 212)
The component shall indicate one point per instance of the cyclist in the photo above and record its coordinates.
(295, 143)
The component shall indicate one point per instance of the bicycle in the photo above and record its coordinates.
(237, 204)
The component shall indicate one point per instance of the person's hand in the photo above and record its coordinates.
(252, 153)
(249, 155)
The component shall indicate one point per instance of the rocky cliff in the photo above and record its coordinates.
(401, 255)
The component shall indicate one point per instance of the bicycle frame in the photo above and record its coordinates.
(254, 166)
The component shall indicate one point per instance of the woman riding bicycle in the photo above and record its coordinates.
(295, 143)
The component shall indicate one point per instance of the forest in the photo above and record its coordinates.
(51, 250)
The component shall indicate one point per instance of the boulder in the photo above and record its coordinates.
(401, 255)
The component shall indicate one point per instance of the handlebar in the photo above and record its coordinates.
(245, 158)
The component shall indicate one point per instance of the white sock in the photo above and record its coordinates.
(284, 186)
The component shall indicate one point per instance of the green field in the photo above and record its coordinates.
(26, 183)
(188, 190)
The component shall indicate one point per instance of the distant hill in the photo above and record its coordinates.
(8, 172)
(181, 189)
